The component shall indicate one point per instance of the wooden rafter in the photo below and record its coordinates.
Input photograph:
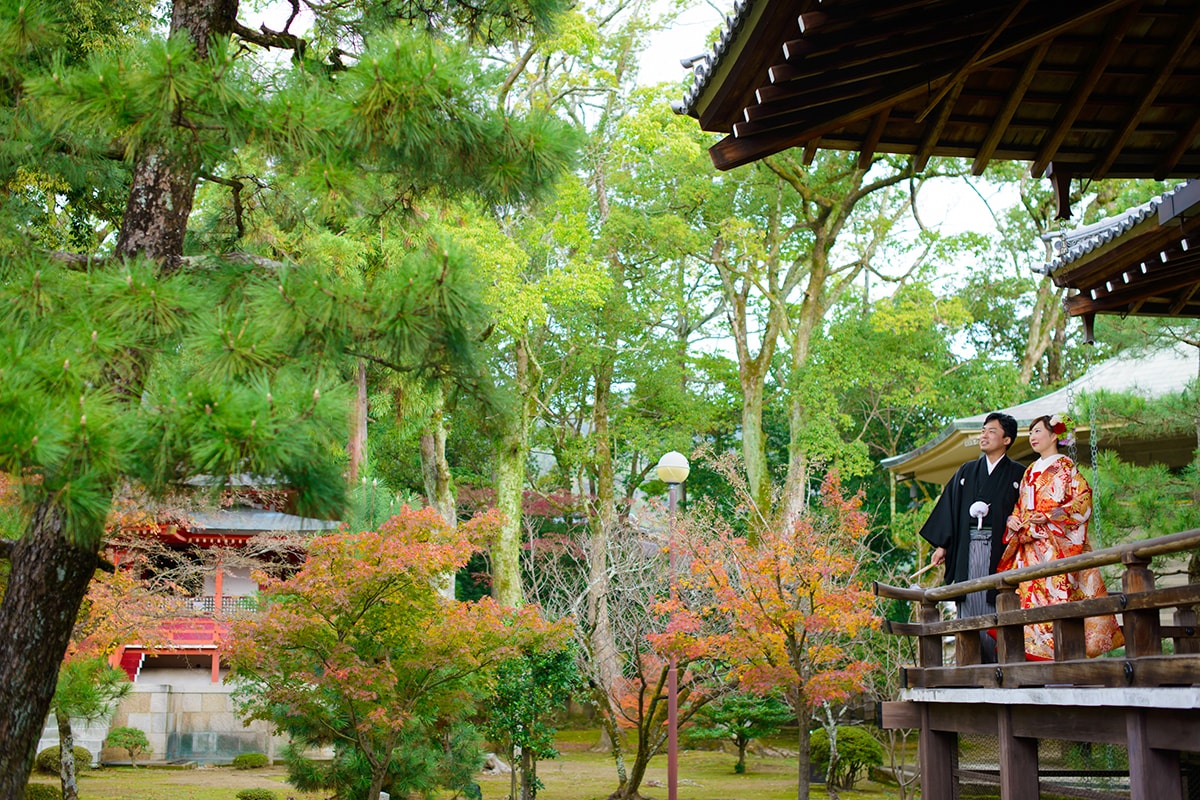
(1186, 36)
(1000, 122)
(1070, 111)
(872, 141)
(954, 81)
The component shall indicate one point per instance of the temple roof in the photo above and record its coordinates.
(1090, 88)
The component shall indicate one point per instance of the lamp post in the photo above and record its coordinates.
(672, 470)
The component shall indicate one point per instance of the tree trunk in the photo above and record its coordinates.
(628, 788)
(526, 774)
(741, 762)
(754, 447)
(510, 484)
(356, 448)
(66, 756)
(49, 575)
(435, 471)
(603, 643)
(439, 485)
(46, 583)
(803, 720)
(376, 782)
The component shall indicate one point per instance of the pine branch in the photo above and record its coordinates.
(265, 37)
(236, 187)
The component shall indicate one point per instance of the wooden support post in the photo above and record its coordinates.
(1010, 639)
(967, 650)
(938, 754)
(1069, 640)
(1186, 619)
(1153, 774)
(930, 647)
(1018, 760)
(1143, 636)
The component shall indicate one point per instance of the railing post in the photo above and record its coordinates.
(1143, 636)
(1070, 642)
(1010, 639)
(1189, 644)
(930, 647)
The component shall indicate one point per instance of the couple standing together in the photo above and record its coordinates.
(996, 515)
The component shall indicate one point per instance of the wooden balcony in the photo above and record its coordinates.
(1146, 699)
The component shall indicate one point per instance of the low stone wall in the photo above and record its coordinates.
(189, 723)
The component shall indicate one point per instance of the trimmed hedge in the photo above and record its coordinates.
(250, 761)
(48, 760)
(42, 791)
(257, 794)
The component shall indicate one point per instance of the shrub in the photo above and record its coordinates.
(857, 749)
(42, 791)
(48, 760)
(250, 761)
(131, 740)
(256, 794)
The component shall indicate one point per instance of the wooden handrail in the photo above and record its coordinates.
(1162, 545)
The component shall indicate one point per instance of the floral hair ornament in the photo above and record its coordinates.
(1063, 427)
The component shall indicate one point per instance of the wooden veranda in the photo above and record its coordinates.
(1146, 700)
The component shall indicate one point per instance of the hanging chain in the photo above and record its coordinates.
(1072, 448)
(1093, 442)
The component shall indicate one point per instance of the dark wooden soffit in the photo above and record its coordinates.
(1096, 88)
(1153, 269)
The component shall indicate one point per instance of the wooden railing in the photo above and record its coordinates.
(1138, 602)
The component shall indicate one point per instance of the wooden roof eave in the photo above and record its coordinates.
(740, 148)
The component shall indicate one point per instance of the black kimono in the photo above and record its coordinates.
(950, 523)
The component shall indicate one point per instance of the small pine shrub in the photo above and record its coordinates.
(250, 761)
(256, 794)
(858, 751)
(132, 740)
(48, 760)
(42, 791)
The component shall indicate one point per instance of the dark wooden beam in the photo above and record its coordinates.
(1000, 122)
(742, 148)
(1060, 180)
(1153, 774)
(1080, 92)
(1187, 35)
(1182, 143)
(954, 81)
(872, 140)
(933, 132)
(1018, 759)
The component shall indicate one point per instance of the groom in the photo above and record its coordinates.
(976, 502)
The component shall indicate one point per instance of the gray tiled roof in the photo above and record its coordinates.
(1071, 245)
(705, 65)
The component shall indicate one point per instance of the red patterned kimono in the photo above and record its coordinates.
(1057, 489)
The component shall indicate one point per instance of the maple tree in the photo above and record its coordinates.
(359, 651)
(783, 613)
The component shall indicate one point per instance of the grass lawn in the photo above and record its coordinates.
(577, 774)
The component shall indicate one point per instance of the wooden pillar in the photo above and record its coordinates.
(1018, 760)
(1143, 630)
(930, 646)
(1010, 639)
(967, 649)
(216, 666)
(1153, 774)
(938, 754)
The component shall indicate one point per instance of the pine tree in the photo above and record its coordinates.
(137, 350)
